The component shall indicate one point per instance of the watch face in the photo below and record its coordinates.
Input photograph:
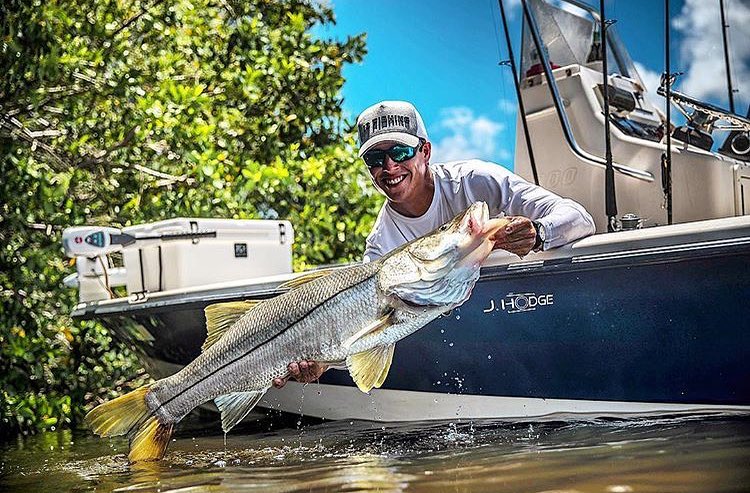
(541, 232)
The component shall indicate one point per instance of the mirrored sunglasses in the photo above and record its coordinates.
(398, 153)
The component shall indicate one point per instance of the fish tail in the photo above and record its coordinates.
(130, 415)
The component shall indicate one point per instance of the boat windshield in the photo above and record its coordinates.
(571, 35)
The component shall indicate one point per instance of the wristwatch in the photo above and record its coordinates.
(541, 235)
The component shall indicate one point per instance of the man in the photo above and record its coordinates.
(421, 196)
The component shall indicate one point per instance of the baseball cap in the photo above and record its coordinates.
(390, 121)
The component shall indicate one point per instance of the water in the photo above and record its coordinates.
(685, 454)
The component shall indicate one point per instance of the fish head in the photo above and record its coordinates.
(440, 268)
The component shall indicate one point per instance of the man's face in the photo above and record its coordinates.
(403, 182)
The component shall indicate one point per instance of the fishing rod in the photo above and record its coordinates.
(666, 158)
(517, 85)
(610, 198)
(724, 27)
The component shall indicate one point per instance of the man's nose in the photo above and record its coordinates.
(389, 163)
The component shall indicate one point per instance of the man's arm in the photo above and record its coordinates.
(563, 220)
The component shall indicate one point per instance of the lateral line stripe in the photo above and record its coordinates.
(282, 331)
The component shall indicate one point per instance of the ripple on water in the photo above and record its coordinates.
(685, 454)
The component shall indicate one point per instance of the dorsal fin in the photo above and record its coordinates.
(370, 368)
(235, 406)
(307, 277)
(221, 316)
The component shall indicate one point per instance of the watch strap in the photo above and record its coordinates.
(539, 240)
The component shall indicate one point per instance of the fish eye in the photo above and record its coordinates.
(443, 227)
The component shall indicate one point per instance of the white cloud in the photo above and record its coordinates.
(507, 105)
(701, 52)
(468, 136)
(651, 80)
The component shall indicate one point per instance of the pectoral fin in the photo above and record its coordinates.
(221, 316)
(235, 406)
(370, 368)
(376, 326)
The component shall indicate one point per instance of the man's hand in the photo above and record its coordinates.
(518, 237)
(303, 371)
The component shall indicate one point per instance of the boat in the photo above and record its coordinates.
(648, 316)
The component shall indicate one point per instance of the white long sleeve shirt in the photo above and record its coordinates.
(458, 184)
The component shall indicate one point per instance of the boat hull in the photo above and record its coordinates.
(657, 326)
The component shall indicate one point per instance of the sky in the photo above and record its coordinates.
(443, 56)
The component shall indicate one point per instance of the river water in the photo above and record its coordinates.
(667, 454)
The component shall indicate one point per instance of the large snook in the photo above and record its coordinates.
(353, 315)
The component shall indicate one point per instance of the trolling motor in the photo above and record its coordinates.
(91, 247)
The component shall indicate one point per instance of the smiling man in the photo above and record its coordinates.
(422, 195)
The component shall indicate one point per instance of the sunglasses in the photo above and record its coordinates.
(398, 153)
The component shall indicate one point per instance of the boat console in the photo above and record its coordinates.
(566, 112)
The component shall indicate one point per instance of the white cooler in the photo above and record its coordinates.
(241, 249)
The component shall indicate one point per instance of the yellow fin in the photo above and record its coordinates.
(119, 416)
(376, 326)
(386, 366)
(130, 414)
(221, 316)
(370, 368)
(150, 441)
(307, 277)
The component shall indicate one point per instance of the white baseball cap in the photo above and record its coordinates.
(390, 121)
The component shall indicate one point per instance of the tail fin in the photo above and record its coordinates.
(129, 414)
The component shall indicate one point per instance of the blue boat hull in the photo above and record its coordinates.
(648, 332)
(665, 324)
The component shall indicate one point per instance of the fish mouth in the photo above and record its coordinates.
(480, 229)
(476, 218)
(474, 225)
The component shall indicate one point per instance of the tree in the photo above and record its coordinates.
(120, 113)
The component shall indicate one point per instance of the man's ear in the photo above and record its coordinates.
(427, 149)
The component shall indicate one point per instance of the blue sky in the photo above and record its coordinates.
(443, 56)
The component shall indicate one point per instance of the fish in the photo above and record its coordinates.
(351, 316)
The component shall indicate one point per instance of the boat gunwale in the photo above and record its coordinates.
(658, 244)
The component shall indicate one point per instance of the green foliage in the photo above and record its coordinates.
(119, 113)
